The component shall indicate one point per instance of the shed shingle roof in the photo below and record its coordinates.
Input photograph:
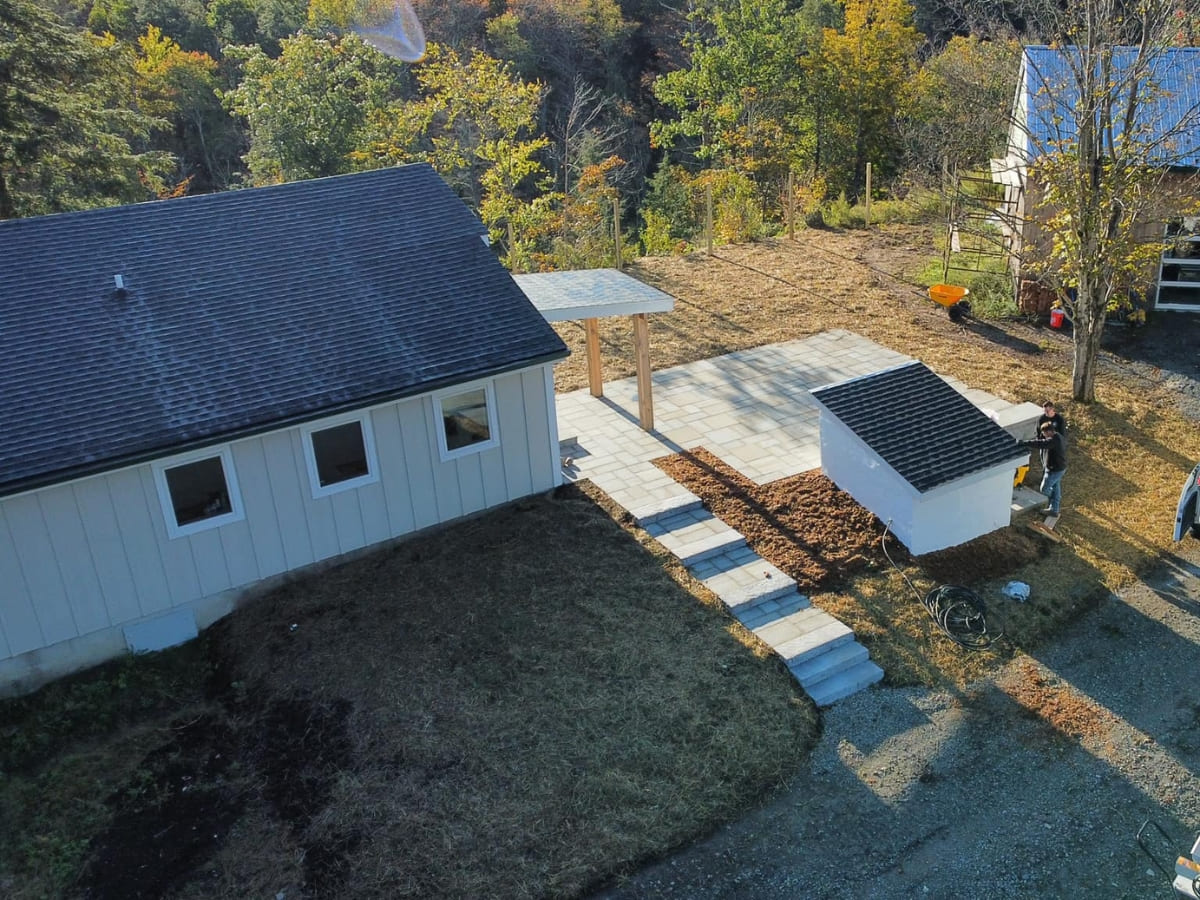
(919, 425)
(1170, 99)
(245, 311)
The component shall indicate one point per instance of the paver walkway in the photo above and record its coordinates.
(753, 410)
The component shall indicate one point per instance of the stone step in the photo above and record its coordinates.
(743, 579)
(815, 669)
(695, 536)
(756, 615)
(803, 634)
(844, 683)
(655, 509)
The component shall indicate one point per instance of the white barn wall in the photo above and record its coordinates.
(856, 469)
(81, 560)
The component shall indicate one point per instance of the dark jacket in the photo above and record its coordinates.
(1057, 420)
(1056, 450)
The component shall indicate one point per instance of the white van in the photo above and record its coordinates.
(1187, 517)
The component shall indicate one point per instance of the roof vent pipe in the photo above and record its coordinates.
(119, 282)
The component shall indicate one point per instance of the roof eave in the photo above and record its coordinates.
(61, 476)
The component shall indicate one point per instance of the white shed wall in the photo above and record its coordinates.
(80, 560)
(946, 516)
(962, 510)
(862, 473)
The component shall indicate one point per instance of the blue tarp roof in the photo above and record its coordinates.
(1170, 96)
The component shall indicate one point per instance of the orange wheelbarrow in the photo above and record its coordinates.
(953, 297)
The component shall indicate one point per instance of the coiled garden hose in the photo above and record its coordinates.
(958, 611)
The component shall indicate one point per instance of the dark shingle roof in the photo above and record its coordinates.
(1171, 97)
(244, 311)
(919, 425)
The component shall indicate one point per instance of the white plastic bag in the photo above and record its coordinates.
(1016, 590)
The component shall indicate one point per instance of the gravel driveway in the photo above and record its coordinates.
(920, 793)
(939, 794)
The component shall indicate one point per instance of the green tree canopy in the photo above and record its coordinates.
(736, 102)
(70, 135)
(307, 110)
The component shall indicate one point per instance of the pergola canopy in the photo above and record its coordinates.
(591, 294)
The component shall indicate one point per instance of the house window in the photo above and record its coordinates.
(468, 421)
(340, 456)
(198, 492)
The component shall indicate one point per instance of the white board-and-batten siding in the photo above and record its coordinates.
(81, 560)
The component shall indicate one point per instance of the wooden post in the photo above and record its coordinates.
(641, 348)
(591, 328)
(791, 205)
(512, 251)
(708, 216)
(868, 193)
(617, 230)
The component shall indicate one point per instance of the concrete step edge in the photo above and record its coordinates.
(655, 510)
(846, 683)
(815, 669)
(756, 615)
(819, 640)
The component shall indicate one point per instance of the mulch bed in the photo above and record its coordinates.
(819, 535)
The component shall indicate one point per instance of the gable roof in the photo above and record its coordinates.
(243, 312)
(1048, 92)
(923, 428)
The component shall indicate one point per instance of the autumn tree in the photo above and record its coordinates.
(1111, 115)
(475, 122)
(181, 88)
(70, 134)
(858, 86)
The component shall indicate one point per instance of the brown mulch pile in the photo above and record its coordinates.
(819, 535)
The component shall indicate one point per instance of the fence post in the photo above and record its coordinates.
(868, 194)
(617, 229)
(791, 205)
(708, 217)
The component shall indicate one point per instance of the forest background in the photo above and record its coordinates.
(549, 117)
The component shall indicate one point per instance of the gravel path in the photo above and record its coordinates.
(920, 793)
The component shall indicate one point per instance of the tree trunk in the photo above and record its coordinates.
(1088, 327)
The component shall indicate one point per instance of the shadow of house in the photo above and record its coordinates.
(204, 394)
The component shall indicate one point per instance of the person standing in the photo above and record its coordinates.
(1053, 445)
(1051, 415)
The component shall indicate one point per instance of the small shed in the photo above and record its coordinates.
(591, 294)
(917, 453)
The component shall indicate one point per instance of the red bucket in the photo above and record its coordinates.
(1056, 318)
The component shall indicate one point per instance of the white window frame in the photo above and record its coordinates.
(439, 425)
(237, 512)
(310, 455)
